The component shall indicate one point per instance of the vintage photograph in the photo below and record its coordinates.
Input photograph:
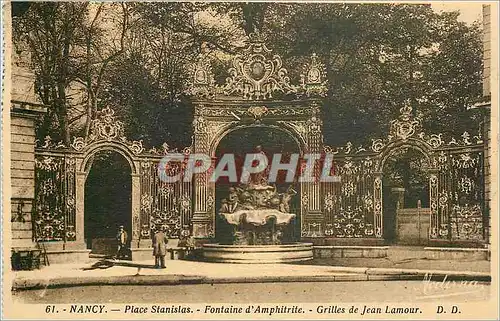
(250, 160)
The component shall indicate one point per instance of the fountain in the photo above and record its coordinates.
(259, 217)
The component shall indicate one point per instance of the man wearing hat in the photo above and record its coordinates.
(160, 241)
(122, 238)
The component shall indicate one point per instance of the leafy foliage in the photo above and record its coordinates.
(378, 57)
(69, 47)
(51, 31)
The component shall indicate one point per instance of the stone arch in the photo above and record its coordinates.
(117, 147)
(246, 101)
(299, 140)
(82, 171)
(294, 139)
(393, 147)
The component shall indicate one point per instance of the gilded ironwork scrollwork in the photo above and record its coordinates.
(54, 203)
(434, 205)
(311, 229)
(258, 74)
(350, 223)
(377, 200)
(349, 204)
(163, 205)
(467, 222)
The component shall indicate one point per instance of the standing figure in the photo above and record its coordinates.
(285, 200)
(121, 238)
(159, 248)
(232, 200)
(224, 208)
(261, 178)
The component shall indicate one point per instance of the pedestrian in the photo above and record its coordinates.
(159, 248)
(186, 242)
(121, 238)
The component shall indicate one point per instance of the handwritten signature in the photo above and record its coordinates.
(448, 288)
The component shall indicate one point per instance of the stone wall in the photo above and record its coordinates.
(22, 171)
(25, 109)
(486, 49)
(487, 174)
(487, 125)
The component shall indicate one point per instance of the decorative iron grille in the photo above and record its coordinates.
(354, 207)
(54, 203)
(349, 204)
(163, 205)
(461, 195)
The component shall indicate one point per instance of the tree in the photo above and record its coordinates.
(380, 56)
(50, 31)
(100, 51)
(148, 84)
(248, 16)
(455, 77)
(69, 52)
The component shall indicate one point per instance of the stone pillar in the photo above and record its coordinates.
(136, 210)
(22, 167)
(487, 66)
(80, 205)
(204, 200)
(313, 220)
(486, 50)
(399, 193)
(204, 192)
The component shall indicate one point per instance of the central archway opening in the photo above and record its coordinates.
(406, 197)
(269, 141)
(108, 201)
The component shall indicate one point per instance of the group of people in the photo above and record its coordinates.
(159, 244)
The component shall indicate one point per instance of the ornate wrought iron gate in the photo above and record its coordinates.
(61, 172)
(354, 207)
(54, 216)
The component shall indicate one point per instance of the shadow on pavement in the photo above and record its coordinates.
(108, 263)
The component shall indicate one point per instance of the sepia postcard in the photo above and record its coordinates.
(250, 160)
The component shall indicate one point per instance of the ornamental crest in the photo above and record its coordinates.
(258, 74)
(201, 81)
(406, 125)
(257, 112)
(313, 80)
(106, 126)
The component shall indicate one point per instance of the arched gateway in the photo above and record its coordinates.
(260, 94)
(247, 100)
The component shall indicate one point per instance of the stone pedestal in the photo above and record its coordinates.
(399, 196)
(258, 254)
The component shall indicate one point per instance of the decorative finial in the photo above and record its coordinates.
(313, 78)
(256, 38)
(201, 81)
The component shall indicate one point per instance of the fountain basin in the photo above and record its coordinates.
(258, 254)
(258, 217)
